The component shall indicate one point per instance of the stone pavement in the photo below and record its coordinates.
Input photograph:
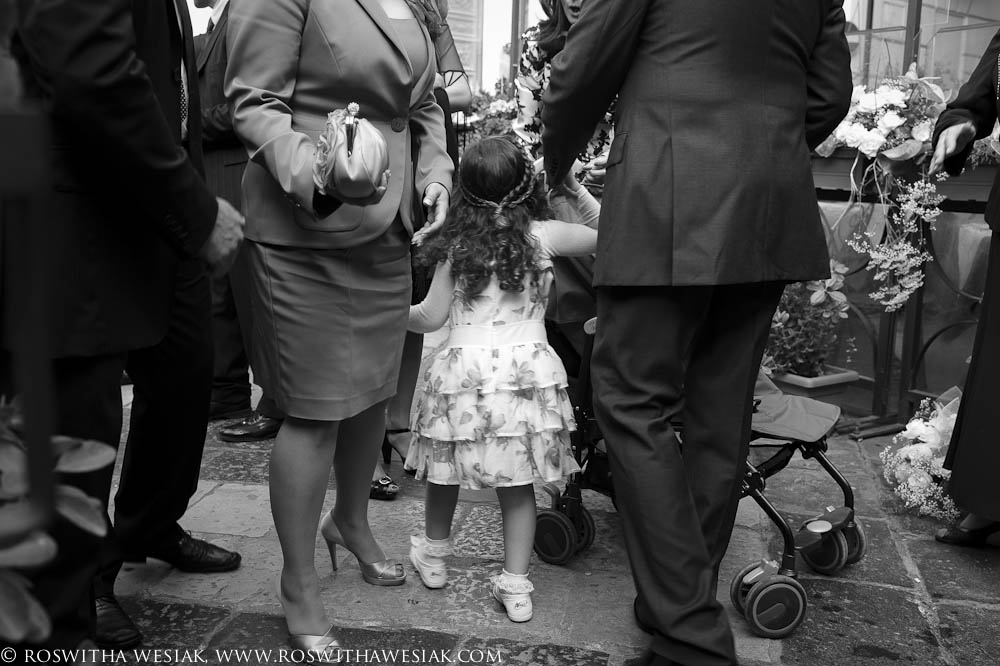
(909, 601)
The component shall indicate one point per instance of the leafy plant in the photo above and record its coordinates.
(804, 327)
(22, 617)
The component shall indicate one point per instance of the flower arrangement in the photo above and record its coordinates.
(891, 127)
(491, 113)
(914, 462)
(804, 327)
(22, 618)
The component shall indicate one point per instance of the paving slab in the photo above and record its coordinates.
(970, 634)
(848, 624)
(177, 628)
(233, 509)
(958, 573)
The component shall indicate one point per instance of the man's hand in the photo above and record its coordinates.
(951, 141)
(436, 200)
(219, 251)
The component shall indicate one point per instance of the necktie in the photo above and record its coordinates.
(211, 25)
(184, 107)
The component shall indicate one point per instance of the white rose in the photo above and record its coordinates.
(868, 102)
(851, 134)
(892, 97)
(923, 131)
(871, 143)
(890, 120)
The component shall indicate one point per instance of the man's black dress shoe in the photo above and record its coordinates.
(190, 555)
(956, 535)
(115, 630)
(251, 429)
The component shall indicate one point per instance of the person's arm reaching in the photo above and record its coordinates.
(970, 116)
(431, 313)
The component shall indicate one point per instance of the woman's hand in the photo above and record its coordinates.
(436, 200)
(951, 141)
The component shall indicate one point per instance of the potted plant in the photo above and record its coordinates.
(22, 617)
(804, 333)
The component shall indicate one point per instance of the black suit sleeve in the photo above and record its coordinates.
(828, 78)
(83, 55)
(976, 103)
(584, 80)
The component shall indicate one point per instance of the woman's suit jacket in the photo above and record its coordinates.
(978, 101)
(291, 62)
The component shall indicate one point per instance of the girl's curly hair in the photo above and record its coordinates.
(488, 227)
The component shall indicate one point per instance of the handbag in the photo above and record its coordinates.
(351, 156)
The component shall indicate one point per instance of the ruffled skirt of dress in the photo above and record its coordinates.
(490, 418)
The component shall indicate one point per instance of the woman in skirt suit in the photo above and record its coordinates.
(974, 454)
(331, 277)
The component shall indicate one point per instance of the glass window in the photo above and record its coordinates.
(953, 35)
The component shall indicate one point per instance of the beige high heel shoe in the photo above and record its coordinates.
(384, 573)
(323, 649)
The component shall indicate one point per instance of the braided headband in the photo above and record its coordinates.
(515, 198)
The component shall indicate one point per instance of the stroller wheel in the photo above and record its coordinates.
(739, 588)
(857, 542)
(775, 606)
(585, 530)
(828, 556)
(555, 537)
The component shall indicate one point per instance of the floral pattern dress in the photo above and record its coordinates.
(532, 80)
(494, 416)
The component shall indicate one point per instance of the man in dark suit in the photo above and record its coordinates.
(709, 209)
(132, 227)
(225, 160)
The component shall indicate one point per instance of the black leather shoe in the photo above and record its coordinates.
(115, 629)
(956, 535)
(251, 429)
(191, 555)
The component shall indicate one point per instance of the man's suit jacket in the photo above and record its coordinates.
(978, 102)
(225, 156)
(719, 103)
(291, 62)
(126, 202)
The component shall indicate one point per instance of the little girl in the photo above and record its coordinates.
(493, 411)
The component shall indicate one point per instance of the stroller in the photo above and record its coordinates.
(767, 593)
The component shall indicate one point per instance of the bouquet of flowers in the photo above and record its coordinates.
(915, 469)
(892, 127)
(894, 121)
